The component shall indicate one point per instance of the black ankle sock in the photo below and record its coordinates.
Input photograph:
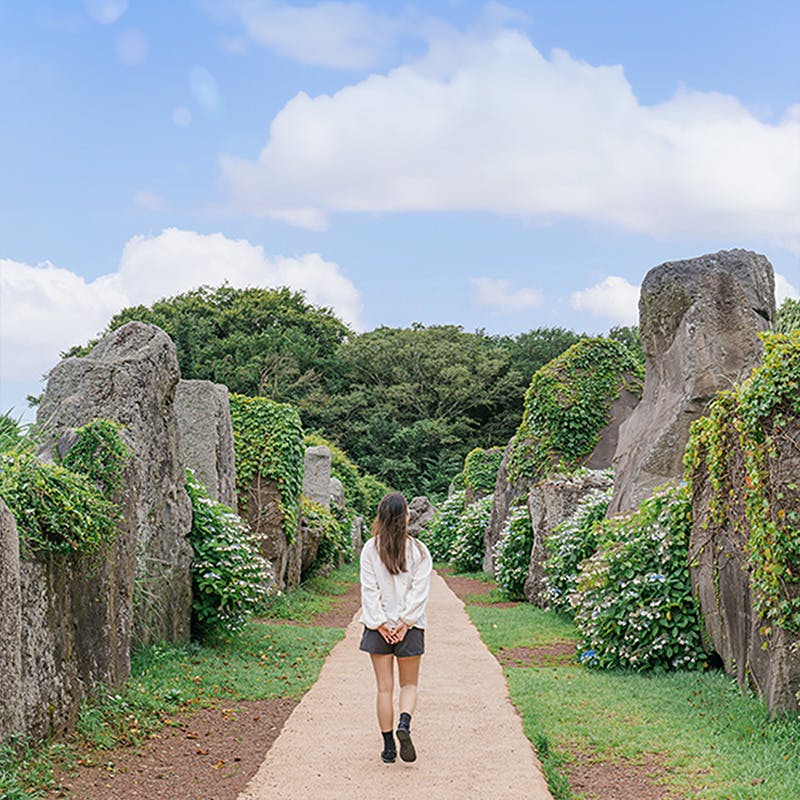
(405, 720)
(388, 740)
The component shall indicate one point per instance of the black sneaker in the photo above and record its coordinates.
(389, 756)
(407, 751)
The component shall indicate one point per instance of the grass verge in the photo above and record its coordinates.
(711, 741)
(264, 660)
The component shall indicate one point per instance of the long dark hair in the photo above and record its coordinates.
(390, 531)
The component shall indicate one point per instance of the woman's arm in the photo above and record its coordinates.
(417, 596)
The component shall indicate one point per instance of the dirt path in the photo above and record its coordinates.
(468, 736)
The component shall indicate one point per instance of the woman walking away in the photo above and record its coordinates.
(395, 580)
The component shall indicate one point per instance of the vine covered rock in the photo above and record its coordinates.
(480, 471)
(270, 453)
(699, 321)
(743, 463)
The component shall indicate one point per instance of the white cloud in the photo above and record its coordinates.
(330, 34)
(47, 309)
(613, 298)
(132, 47)
(106, 12)
(784, 289)
(492, 125)
(499, 294)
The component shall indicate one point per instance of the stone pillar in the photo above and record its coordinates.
(10, 626)
(317, 475)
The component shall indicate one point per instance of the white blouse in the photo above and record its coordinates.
(391, 598)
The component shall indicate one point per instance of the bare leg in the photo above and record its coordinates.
(409, 678)
(384, 677)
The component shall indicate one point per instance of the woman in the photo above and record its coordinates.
(395, 579)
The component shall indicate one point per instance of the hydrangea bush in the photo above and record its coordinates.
(570, 543)
(440, 534)
(230, 577)
(633, 603)
(512, 553)
(466, 554)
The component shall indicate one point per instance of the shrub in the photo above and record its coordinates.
(372, 490)
(633, 603)
(230, 577)
(440, 535)
(480, 470)
(569, 544)
(512, 553)
(334, 545)
(466, 554)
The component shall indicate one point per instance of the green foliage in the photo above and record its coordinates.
(440, 535)
(10, 431)
(480, 469)
(629, 336)
(512, 553)
(268, 441)
(255, 341)
(372, 490)
(230, 577)
(633, 604)
(466, 554)
(334, 545)
(788, 317)
(569, 544)
(100, 454)
(737, 448)
(65, 508)
(567, 405)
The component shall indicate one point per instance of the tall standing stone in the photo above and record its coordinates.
(10, 627)
(130, 377)
(204, 419)
(699, 322)
(317, 475)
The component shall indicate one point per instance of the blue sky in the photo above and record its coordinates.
(494, 166)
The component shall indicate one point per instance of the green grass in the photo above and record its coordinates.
(314, 596)
(262, 661)
(715, 742)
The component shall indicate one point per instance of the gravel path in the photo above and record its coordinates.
(468, 736)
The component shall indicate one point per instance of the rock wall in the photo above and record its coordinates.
(317, 475)
(131, 377)
(698, 321)
(550, 502)
(10, 627)
(206, 435)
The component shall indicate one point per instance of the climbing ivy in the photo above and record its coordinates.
(567, 405)
(737, 448)
(268, 441)
(788, 317)
(334, 545)
(480, 469)
(65, 508)
(100, 454)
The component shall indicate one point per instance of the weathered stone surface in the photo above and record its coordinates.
(204, 419)
(317, 475)
(337, 493)
(505, 492)
(265, 517)
(310, 536)
(721, 581)
(698, 321)
(421, 511)
(550, 502)
(357, 534)
(10, 627)
(130, 377)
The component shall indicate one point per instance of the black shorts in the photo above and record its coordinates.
(413, 643)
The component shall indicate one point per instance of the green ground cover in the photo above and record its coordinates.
(712, 741)
(264, 660)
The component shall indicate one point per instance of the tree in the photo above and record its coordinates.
(788, 317)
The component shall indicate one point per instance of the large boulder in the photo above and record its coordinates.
(10, 627)
(699, 321)
(336, 491)
(130, 377)
(550, 502)
(317, 475)
(204, 419)
(420, 513)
